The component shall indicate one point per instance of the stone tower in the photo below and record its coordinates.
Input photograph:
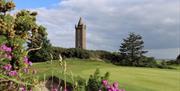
(80, 41)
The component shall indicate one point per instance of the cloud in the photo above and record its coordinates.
(109, 21)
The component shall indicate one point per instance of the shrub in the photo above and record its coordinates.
(94, 82)
(171, 62)
(75, 52)
(15, 32)
(147, 62)
(42, 54)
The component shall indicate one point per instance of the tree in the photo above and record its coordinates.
(132, 49)
(178, 59)
(42, 54)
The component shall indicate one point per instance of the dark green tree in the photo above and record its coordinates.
(178, 59)
(132, 49)
(41, 39)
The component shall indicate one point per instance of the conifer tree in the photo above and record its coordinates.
(132, 49)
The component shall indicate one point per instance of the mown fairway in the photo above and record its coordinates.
(130, 78)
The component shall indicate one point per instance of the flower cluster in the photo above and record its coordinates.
(8, 69)
(108, 87)
(26, 61)
(5, 48)
(7, 52)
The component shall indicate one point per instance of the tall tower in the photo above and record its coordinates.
(80, 35)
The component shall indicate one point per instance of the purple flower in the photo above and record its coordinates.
(8, 56)
(108, 86)
(30, 63)
(22, 89)
(12, 73)
(7, 67)
(26, 59)
(105, 82)
(5, 48)
(112, 88)
(115, 84)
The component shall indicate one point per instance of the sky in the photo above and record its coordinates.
(109, 21)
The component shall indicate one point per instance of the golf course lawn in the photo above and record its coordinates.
(130, 78)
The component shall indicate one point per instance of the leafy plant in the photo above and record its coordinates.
(15, 31)
(94, 82)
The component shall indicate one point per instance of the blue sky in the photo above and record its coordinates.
(109, 21)
(21, 4)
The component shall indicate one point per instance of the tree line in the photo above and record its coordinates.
(131, 53)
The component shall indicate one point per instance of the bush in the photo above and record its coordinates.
(70, 53)
(94, 82)
(170, 62)
(78, 53)
(42, 54)
(147, 62)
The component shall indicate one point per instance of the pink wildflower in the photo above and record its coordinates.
(105, 82)
(5, 48)
(112, 88)
(115, 84)
(12, 73)
(26, 59)
(108, 86)
(22, 89)
(7, 67)
(30, 63)
(8, 56)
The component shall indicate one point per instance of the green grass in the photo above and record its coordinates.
(130, 78)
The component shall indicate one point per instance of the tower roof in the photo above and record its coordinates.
(80, 21)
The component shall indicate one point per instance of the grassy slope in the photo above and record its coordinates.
(130, 78)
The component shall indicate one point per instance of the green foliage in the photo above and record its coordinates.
(70, 53)
(42, 54)
(15, 31)
(6, 5)
(178, 59)
(80, 83)
(147, 62)
(174, 62)
(95, 80)
(125, 76)
(132, 49)
(85, 54)
(3, 39)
